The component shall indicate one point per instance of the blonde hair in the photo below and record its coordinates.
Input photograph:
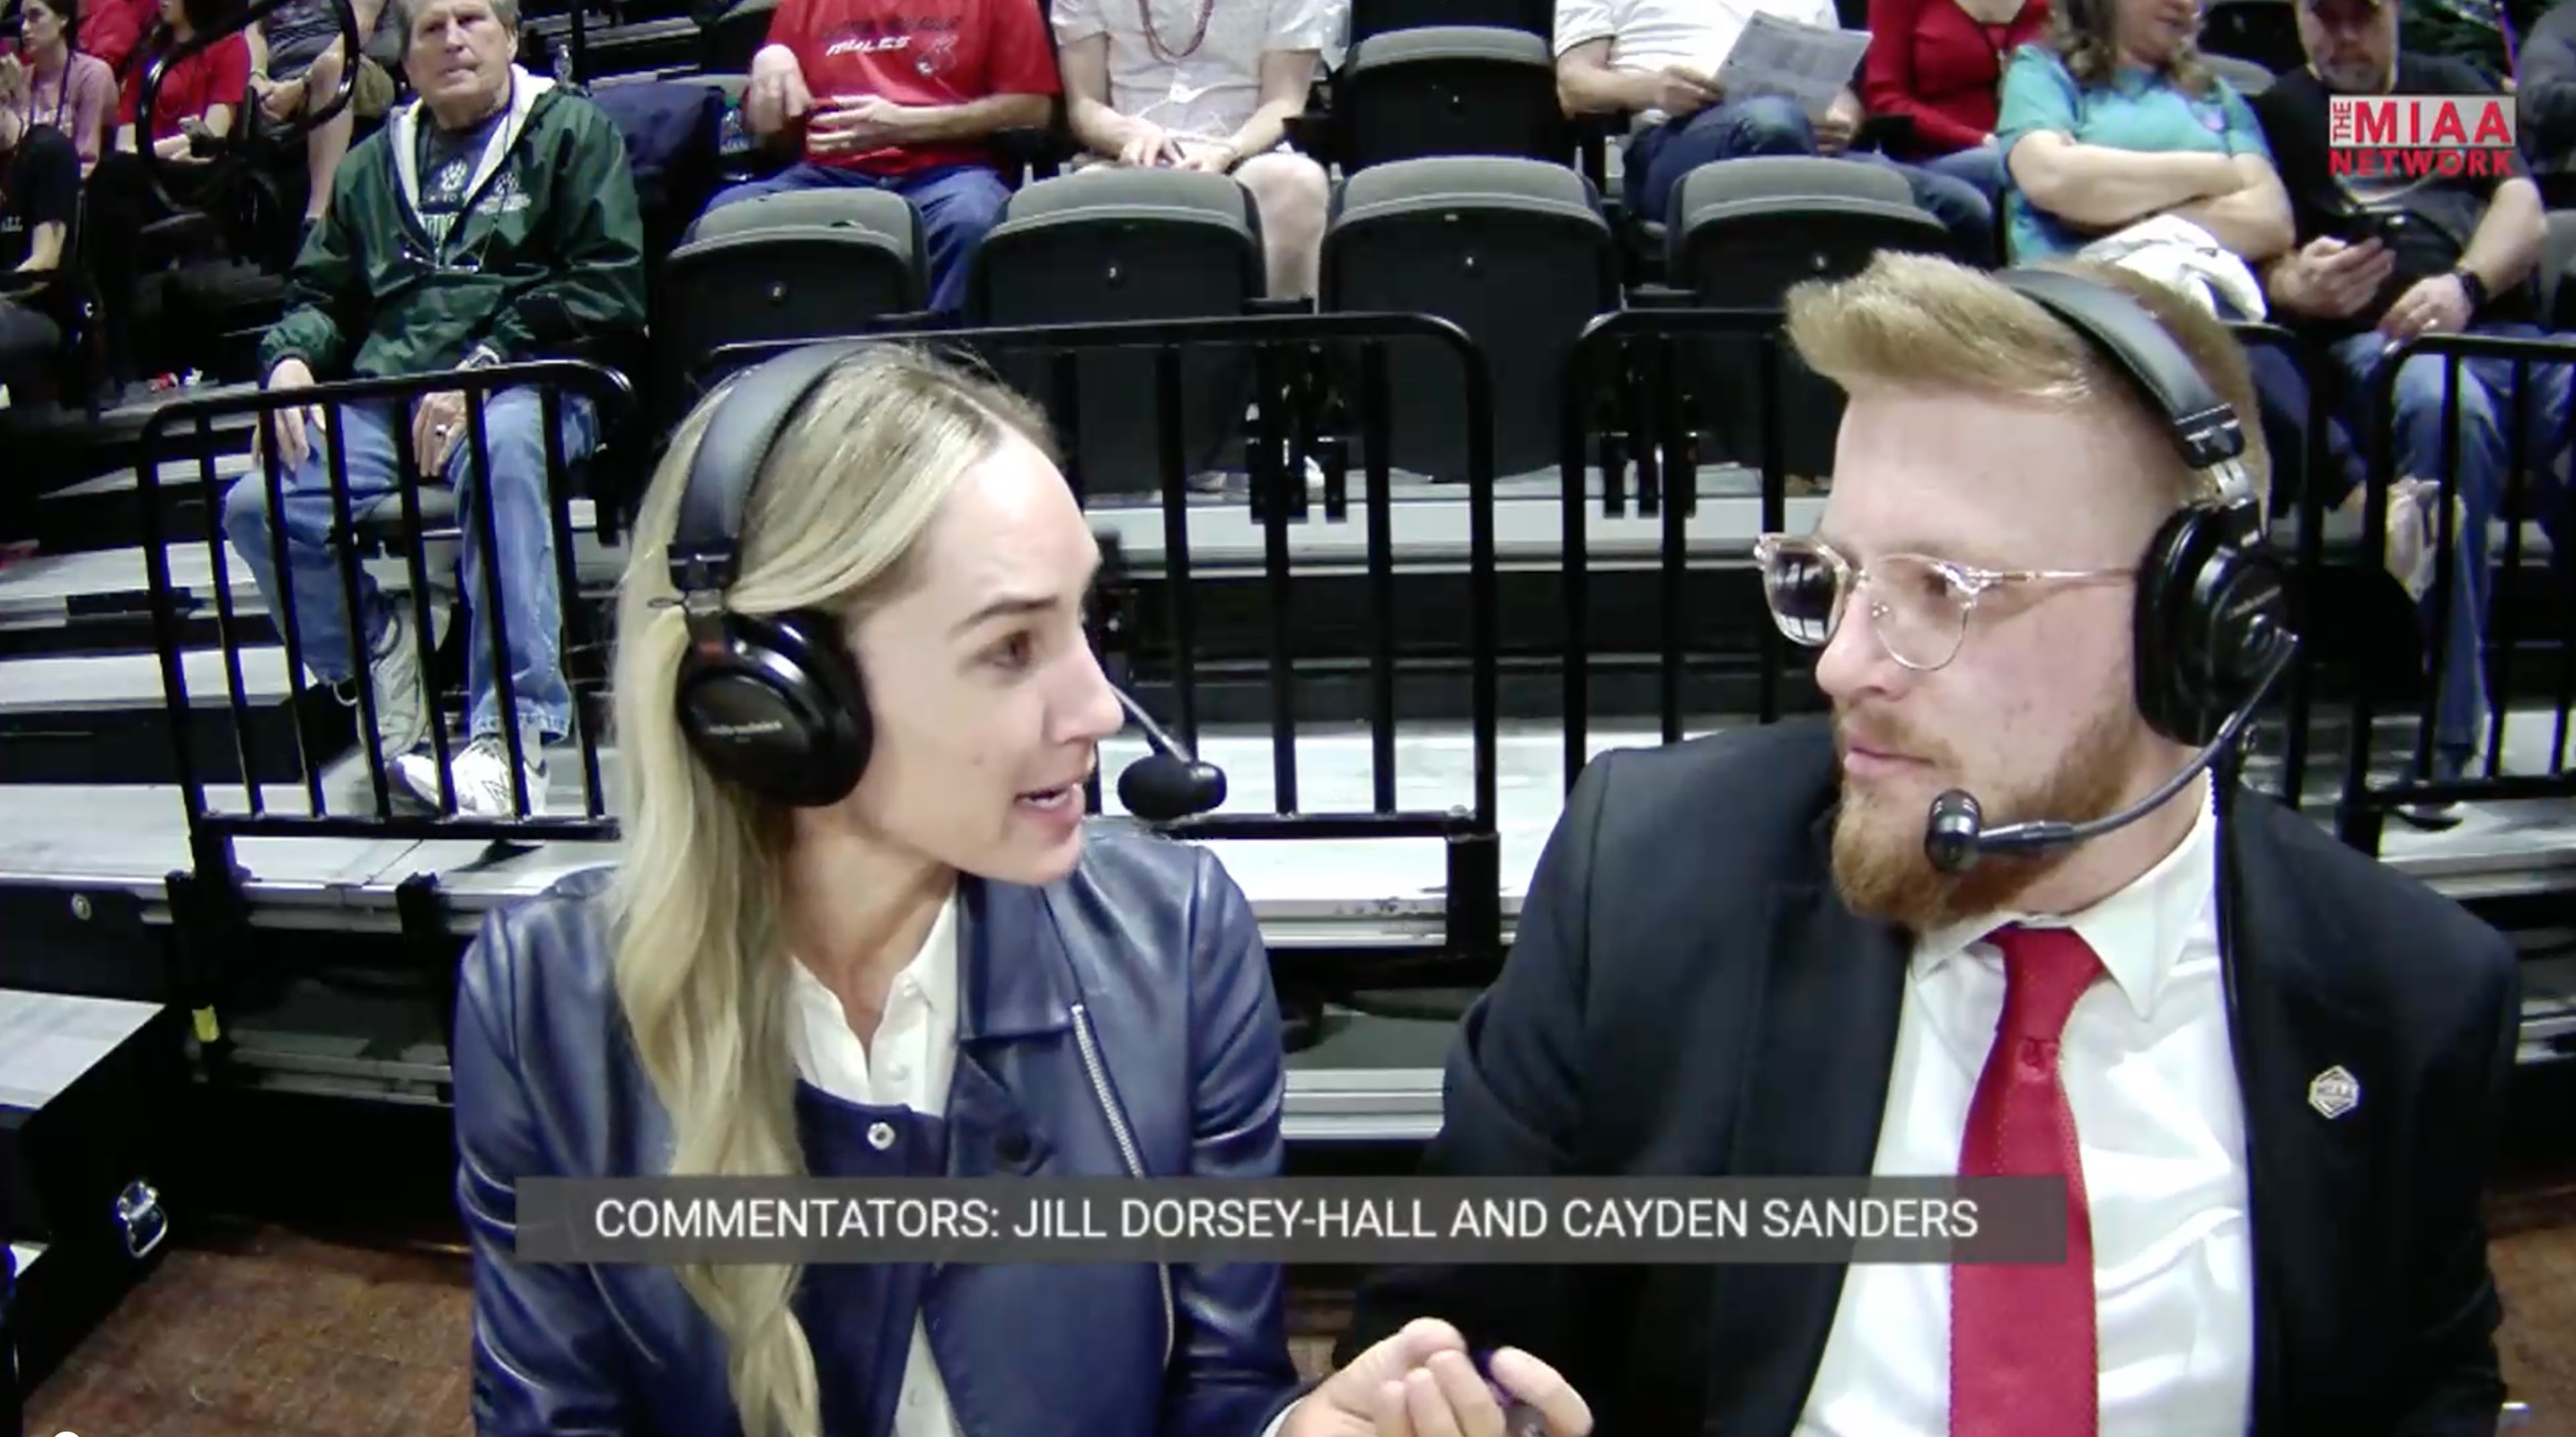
(2085, 35)
(1913, 321)
(701, 974)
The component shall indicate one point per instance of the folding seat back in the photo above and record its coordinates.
(2263, 31)
(732, 38)
(1449, 90)
(1107, 244)
(1515, 253)
(1371, 18)
(1743, 232)
(815, 264)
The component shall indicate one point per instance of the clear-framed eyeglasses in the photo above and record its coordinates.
(1918, 605)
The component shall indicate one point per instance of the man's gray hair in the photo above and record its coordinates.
(505, 11)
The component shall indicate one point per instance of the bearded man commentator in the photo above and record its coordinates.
(2269, 1068)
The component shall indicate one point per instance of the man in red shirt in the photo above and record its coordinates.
(904, 95)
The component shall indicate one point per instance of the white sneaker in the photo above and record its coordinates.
(481, 774)
(402, 700)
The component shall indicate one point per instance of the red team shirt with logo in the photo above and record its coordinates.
(916, 52)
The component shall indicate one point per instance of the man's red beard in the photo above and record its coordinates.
(1880, 867)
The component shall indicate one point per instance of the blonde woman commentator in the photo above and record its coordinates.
(859, 929)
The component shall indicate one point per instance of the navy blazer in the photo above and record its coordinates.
(1689, 995)
(1117, 1022)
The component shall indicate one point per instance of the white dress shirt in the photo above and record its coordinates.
(915, 1052)
(1211, 92)
(2160, 1124)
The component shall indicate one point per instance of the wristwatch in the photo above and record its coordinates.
(2472, 286)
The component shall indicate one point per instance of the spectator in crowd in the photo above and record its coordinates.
(39, 188)
(39, 192)
(296, 65)
(904, 95)
(1940, 64)
(196, 106)
(113, 30)
(494, 221)
(2114, 123)
(2545, 92)
(1138, 93)
(53, 85)
(2381, 260)
(201, 90)
(1658, 60)
(2114, 120)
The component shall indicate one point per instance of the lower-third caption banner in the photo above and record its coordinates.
(1293, 1220)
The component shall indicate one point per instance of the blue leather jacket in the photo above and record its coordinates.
(1116, 1022)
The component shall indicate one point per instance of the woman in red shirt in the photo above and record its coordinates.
(201, 94)
(1941, 64)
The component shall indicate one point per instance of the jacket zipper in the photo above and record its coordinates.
(1126, 1147)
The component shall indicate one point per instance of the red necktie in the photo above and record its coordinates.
(2023, 1359)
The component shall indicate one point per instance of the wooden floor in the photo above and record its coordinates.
(272, 1333)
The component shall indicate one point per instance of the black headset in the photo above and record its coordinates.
(775, 703)
(2211, 622)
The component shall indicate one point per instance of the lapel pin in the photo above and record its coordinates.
(2334, 1092)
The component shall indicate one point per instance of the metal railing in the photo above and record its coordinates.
(1630, 401)
(2522, 493)
(1330, 389)
(392, 516)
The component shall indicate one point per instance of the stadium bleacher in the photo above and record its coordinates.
(1396, 565)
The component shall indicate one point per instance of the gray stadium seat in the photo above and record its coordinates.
(1514, 252)
(1108, 244)
(2263, 31)
(1744, 231)
(1385, 17)
(735, 36)
(808, 265)
(1448, 90)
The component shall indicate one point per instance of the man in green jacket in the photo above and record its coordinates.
(492, 221)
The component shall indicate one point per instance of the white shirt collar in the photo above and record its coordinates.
(2138, 932)
(824, 1042)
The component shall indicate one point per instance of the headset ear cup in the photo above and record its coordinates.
(820, 650)
(2205, 594)
(782, 713)
(2171, 631)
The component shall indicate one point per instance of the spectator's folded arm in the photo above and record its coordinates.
(2099, 187)
(2253, 221)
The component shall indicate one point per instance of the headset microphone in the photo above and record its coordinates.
(1954, 837)
(1170, 783)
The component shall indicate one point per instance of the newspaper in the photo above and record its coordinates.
(1810, 64)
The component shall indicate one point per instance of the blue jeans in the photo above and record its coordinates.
(1657, 159)
(522, 524)
(1979, 166)
(2486, 407)
(958, 205)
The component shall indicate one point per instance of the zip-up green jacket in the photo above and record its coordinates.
(547, 258)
